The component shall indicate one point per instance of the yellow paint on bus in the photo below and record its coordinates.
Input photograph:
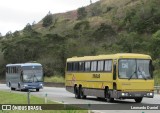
(110, 76)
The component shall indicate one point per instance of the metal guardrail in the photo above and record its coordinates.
(51, 84)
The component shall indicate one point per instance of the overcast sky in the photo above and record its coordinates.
(15, 14)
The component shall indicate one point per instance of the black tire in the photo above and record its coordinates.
(81, 93)
(76, 92)
(37, 90)
(19, 87)
(110, 100)
(9, 84)
(138, 100)
(107, 96)
(100, 98)
(13, 89)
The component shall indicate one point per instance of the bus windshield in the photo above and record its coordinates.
(32, 73)
(134, 69)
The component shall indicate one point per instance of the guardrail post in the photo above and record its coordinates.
(28, 96)
(89, 105)
(64, 104)
(157, 91)
(46, 98)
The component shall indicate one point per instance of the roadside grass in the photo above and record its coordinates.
(54, 79)
(15, 98)
(7, 97)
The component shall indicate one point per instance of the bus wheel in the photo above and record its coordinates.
(81, 93)
(19, 87)
(107, 95)
(100, 98)
(76, 92)
(138, 100)
(9, 84)
(110, 99)
(37, 90)
(12, 88)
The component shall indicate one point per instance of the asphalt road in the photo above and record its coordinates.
(62, 96)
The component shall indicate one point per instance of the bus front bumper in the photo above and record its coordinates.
(26, 86)
(131, 95)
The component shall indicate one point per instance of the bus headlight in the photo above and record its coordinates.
(125, 94)
(25, 85)
(149, 94)
(41, 85)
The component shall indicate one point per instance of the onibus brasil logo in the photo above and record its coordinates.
(20, 107)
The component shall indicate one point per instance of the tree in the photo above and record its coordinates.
(81, 13)
(28, 28)
(1, 36)
(155, 45)
(47, 20)
(16, 34)
(129, 42)
(9, 35)
(22, 49)
(30, 32)
(104, 32)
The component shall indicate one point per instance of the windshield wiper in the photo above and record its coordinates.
(29, 79)
(132, 75)
(35, 77)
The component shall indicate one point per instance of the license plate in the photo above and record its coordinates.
(137, 95)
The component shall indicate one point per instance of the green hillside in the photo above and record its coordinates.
(107, 26)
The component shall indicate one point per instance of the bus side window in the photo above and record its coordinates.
(108, 65)
(94, 66)
(19, 70)
(14, 69)
(81, 66)
(11, 70)
(100, 66)
(69, 66)
(87, 66)
(75, 66)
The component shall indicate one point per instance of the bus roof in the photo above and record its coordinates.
(110, 56)
(25, 64)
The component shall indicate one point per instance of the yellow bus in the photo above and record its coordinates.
(115, 76)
